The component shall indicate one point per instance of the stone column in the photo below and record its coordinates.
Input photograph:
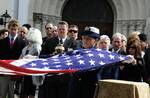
(125, 28)
(49, 18)
(141, 26)
(131, 26)
(118, 26)
(39, 20)
(55, 19)
(147, 29)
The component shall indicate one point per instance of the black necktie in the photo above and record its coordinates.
(61, 41)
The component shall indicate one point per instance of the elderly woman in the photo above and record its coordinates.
(33, 49)
(104, 42)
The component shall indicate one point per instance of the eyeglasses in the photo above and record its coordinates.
(48, 28)
(75, 31)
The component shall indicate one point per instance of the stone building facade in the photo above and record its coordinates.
(128, 15)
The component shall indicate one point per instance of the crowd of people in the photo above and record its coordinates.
(21, 42)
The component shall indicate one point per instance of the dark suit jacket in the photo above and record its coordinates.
(6, 52)
(147, 61)
(50, 45)
(121, 51)
(55, 86)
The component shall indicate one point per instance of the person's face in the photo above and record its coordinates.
(143, 45)
(73, 33)
(54, 31)
(23, 32)
(62, 30)
(124, 43)
(49, 30)
(88, 42)
(13, 30)
(5, 34)
(103, 44)
(132, 50)
(117, 43)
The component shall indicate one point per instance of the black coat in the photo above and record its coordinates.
(55, 86)
(83, 84)
(132, 72)
(50, 45)
(147, 62)
(14, 52)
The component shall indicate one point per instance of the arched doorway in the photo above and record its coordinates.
(89, 13)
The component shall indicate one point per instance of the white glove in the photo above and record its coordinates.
(131, 59)
(30, 57)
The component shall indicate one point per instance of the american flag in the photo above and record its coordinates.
(68, 62)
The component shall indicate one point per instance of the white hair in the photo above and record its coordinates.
(35, 36)
(117, 35)
(106, 38)
(124, 38)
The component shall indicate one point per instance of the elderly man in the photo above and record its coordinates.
(111, 72)
(23, 32)
(117, 44)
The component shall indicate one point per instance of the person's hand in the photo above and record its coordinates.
(59, 49)
(130, 59)
(30, 57)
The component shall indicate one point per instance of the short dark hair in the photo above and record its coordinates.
(47, 24)
(143, 37)
(28, 26)
(2, 31)
(72, 26)
(63, 23)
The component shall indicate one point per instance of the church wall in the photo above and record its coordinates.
(129, 15)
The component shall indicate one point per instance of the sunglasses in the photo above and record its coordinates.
(75, 31)
(133, 47)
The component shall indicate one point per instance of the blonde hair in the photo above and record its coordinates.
(13, 23)
(134, 33)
